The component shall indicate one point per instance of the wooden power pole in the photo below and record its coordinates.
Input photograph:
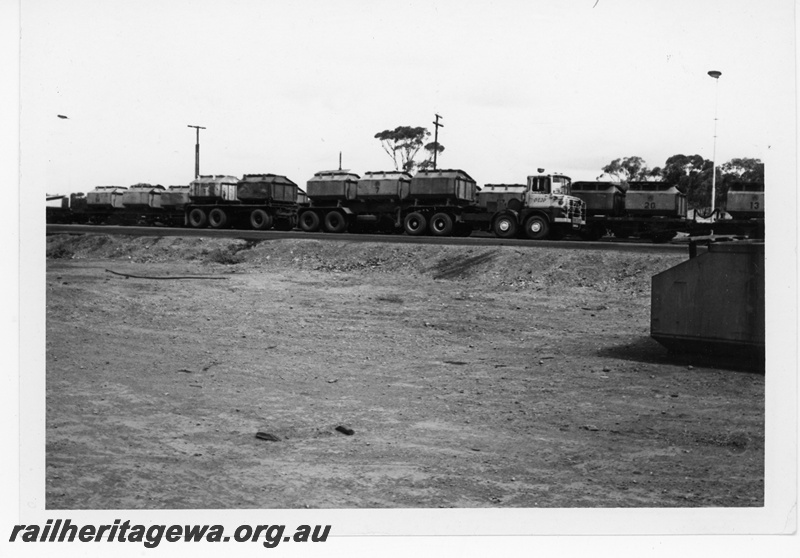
(197, 151)
(436, 139)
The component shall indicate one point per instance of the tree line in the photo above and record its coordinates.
(691, 174)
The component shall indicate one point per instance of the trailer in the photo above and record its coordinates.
(432, 202)
(257, 201)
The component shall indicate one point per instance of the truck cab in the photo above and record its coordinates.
(542, 208)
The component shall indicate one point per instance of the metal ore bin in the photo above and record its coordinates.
(383, 186)
(713, 304)
(602, 198)
(497, 197)
(213, 188)
(175, 197)
(261, 188)
(332, 185)
(142, 195)
(745, 200)
(655, 199)
(448, 185)
(106, 197)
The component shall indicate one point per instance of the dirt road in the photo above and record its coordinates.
(470, 377)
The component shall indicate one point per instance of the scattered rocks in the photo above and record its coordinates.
(345, 430)
(267, 436)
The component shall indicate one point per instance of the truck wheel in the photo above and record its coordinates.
(536, 227)
(335, 222)
(505, 226)
(309, 221)
(415, 224)
(260, 220)
(197, 218)
(217, 218)
(441, 224)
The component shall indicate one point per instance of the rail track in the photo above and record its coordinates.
(607, 245)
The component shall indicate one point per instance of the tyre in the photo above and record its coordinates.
(415, 224)
(505, 226)
(441, 224)
(537, 227)
(217, 218)
(260, 220)
(309, 221)
(335, 222)
(197, 218)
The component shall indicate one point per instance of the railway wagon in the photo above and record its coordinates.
(433, 201)
(257, 201)
(654, 210)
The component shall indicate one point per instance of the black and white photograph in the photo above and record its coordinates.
(470, 272)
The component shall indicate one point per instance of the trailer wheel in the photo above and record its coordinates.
(505, 226)
(260, 220)
(197, 218)
(309, 221)
(217, 218)
(335, 222)
(441, 224)
(537, 228)
(415, 224)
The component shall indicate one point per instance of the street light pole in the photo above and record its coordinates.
(714, 74)
(197, 151)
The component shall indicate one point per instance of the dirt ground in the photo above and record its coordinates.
(470, 377)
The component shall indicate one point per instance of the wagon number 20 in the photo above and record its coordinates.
(649, 205)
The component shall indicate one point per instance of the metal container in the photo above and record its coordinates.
(443, 185)
(302, 197)
(383, 186)
(213, 188)
(332, 185)
(497, 197)
(141, 196)
(261, 188)
(106, 197)
(175, 197)
(712, 303)
(654, 199)
(745, 201)
(602, 198)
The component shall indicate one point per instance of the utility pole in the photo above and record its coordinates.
(197, 151)
(436, 139)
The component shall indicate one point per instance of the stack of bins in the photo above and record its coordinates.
(383, 186)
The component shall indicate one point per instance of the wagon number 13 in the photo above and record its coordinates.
(754, 205)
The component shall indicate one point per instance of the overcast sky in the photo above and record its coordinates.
(283, 87)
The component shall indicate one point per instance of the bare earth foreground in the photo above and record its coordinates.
(471, 377)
